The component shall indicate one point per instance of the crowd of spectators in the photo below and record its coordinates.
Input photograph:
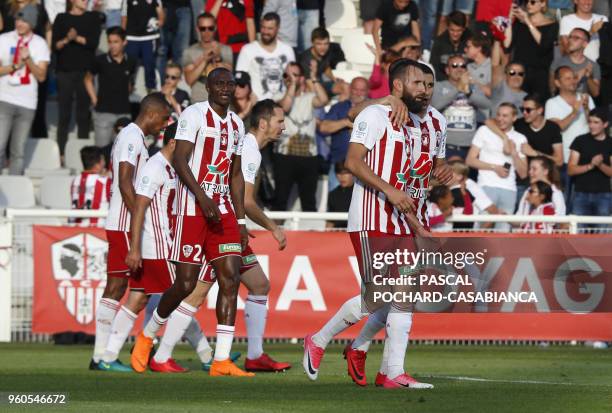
(525, 87)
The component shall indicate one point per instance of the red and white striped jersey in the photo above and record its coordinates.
(90, 191)
(427, 142)
(216, 141)
(129, 147)
(388, 157)
(541, 227)
(156, 182)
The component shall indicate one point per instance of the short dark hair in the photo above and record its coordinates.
(559, 69)
(173, 65)
(456, 56)
(583, 31)
(90, 155)
(121, 123)
(509, 105)
(536, 98)
(427, 69)
(155, 101)
(340, 167)
(399, 68)
(320, 33)
(544, 189)
(272, 16)
(116, 30)
(457, 18)
(170, 132)
(438, 192)
(216, 72)
(481, 40)
(207, 15)
(299, 66)
(599, 112)
(264, 109)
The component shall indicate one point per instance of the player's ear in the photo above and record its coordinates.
(398, 85)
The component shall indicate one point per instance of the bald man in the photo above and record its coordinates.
(337, 124)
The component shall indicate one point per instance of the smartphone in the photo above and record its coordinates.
(507, 166)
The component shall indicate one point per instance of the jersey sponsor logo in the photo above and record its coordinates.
(216, 178)
(131, 148)
(418, 182)
(79, 269)
(230, 247)
(187, 250)
(224, 137)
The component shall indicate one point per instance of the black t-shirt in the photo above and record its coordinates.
(142, 22)
(75, 57)
(594, 181)
(339, 200)
(541, 140)
(396, 23)
(114, 81)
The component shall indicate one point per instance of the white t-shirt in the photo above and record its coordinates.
(492, 151)
(571, 21)
(266, 68)
(16, 88)
(156, 182)
(129, 147)
(251, 158)
(558, 108)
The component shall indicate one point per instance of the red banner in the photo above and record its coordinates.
(318, 271)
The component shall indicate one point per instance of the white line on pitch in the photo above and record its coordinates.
(464, 378)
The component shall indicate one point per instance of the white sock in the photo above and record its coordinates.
(178, 322)
(255, 315)
(347, 315)
(107, 308)
(398, 330)
(384, 363)
(154, 324)
(225, 336)
(198, 341)
(375, 323)
(122, 325)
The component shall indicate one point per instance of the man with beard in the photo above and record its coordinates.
(391, 193)
(210, 222)
(265, 60)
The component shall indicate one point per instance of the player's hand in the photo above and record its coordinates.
(585, 102)
(133, 260)
(244, 236)
(24, 53)
(279, 236)
(597, 160)
(399, 110)
(501, 171)
(348, 124)
(210, 209)
(444, 174)
(400, 200)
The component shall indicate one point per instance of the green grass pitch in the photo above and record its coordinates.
(467, 379)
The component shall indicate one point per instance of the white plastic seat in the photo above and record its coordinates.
(357, 53)
(42, 154)
(346, 75)
(16, 191)
(340, 14)
(72, 153)
(55, 192)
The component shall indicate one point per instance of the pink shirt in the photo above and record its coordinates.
(379, 83)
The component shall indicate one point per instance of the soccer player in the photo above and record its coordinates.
(431, 124)
(209, 225)
(155, 187)
(267, 123)
(91, 190)
(128, 156)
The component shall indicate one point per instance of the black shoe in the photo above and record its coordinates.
(93, 365)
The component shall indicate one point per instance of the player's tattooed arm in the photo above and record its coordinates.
(237, 194)
(126, 186)
(356, 164)
(399, 111)
(134, 257)
(256, 214)
(182, 153)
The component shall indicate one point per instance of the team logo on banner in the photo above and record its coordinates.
(79, 270)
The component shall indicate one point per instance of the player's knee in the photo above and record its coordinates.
(186, 287)
(115, 288)
(261, 288)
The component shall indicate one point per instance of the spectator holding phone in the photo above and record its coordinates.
(499, 159)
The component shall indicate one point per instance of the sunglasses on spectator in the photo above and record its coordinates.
(458, 65)
(207, 28)
(526, 109)
(515, 73)
(173, 77)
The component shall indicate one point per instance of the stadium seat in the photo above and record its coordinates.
(346, 75)
(16, 192)
(340, 14)
(72, 155)
(356, 51)
(42, 158)
(55, 192)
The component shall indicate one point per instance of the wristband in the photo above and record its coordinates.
(242, 221)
